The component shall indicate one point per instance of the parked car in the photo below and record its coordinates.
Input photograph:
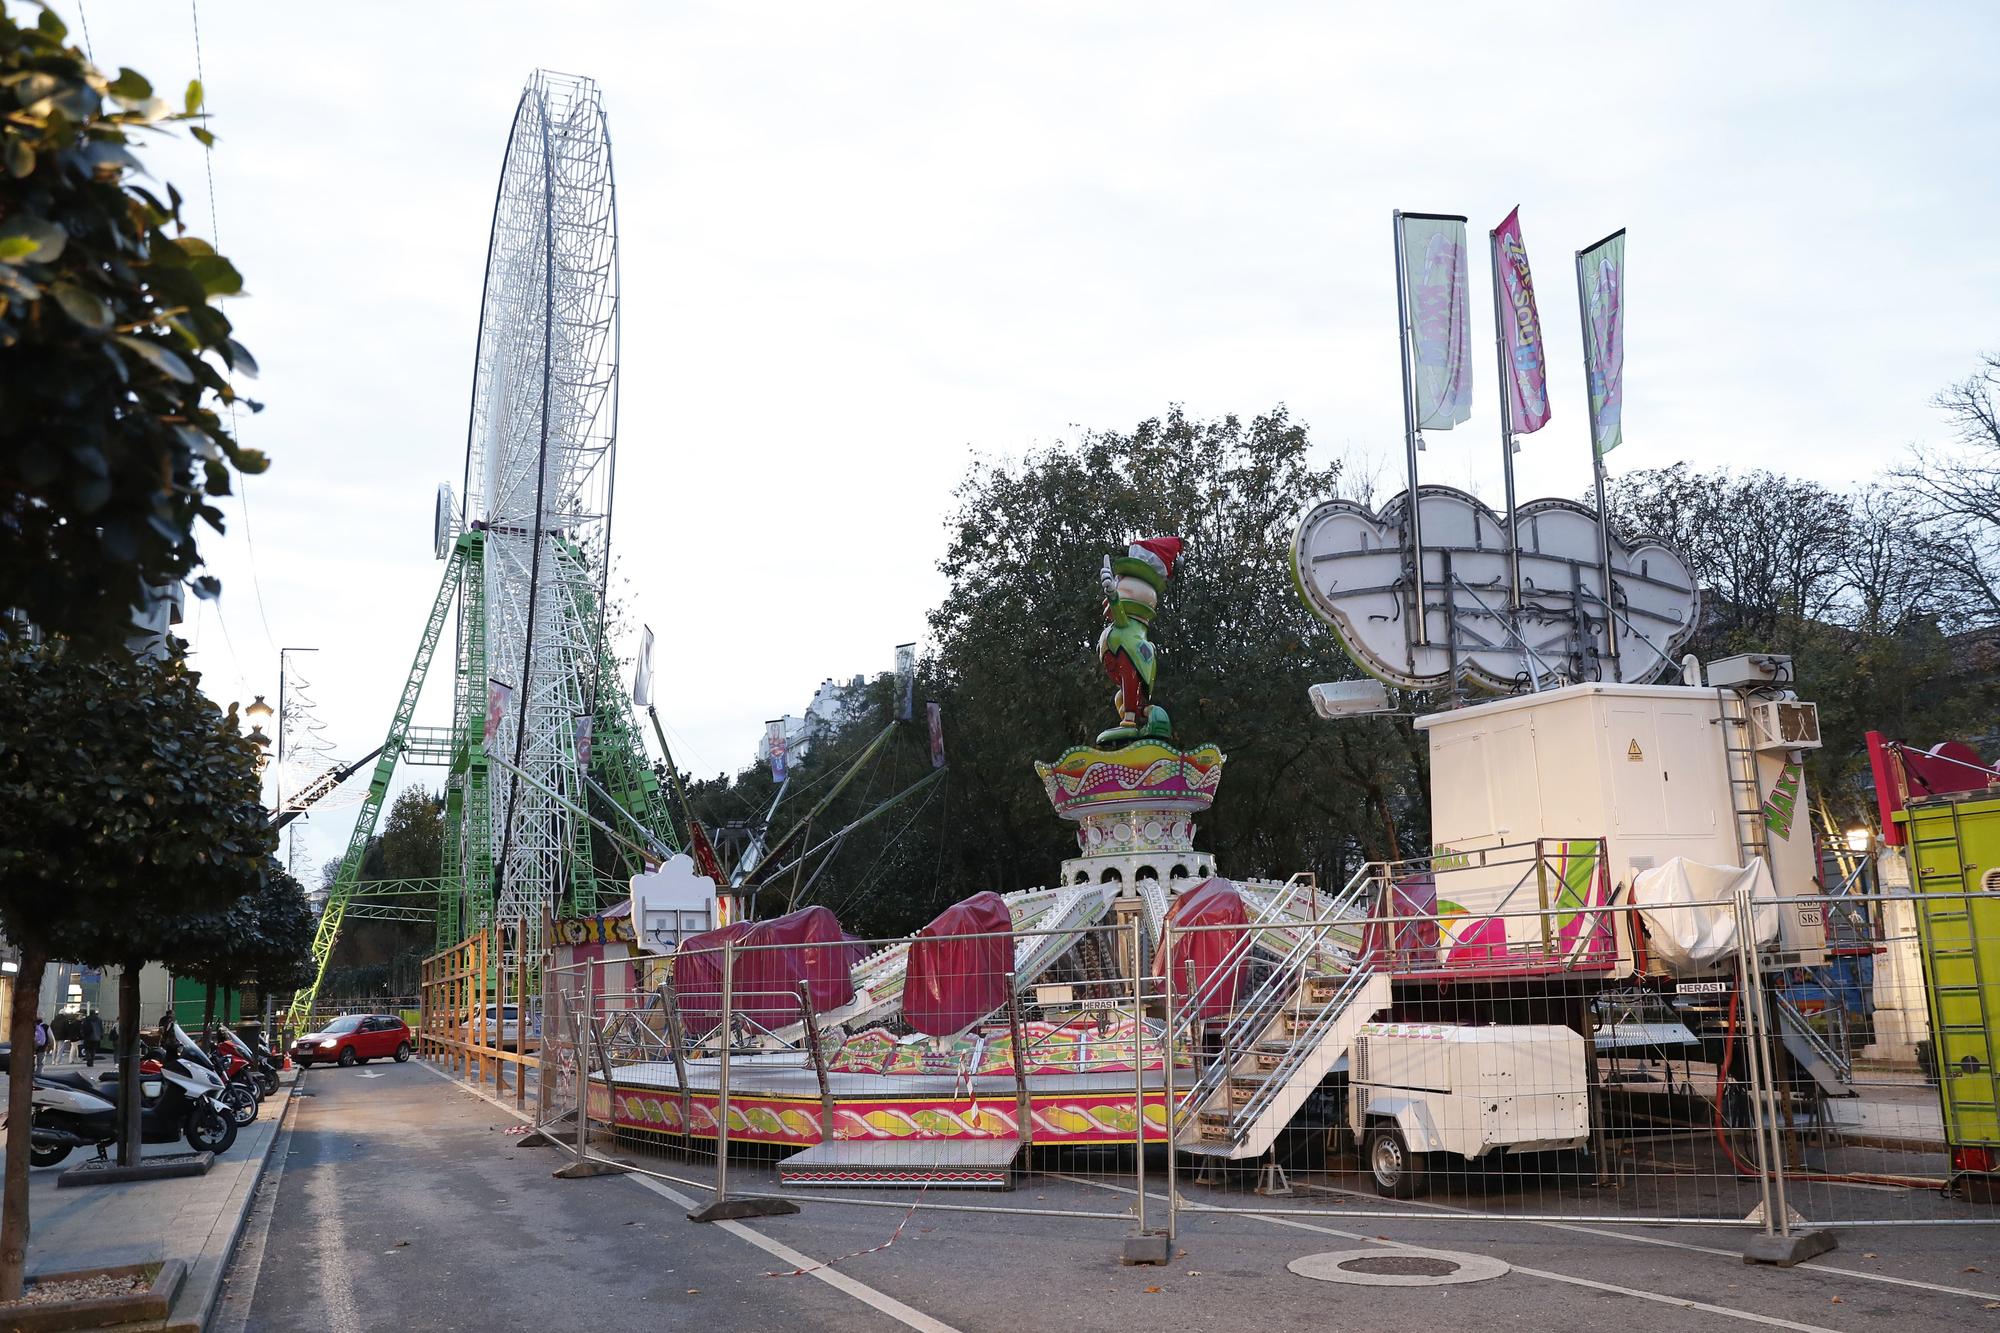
(354, 1039)
(503, 1026)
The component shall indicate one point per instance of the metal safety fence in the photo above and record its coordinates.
(1498, 1036)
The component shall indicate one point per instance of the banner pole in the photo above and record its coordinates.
(1502, 353)
(1597, 471)
(1419, 634)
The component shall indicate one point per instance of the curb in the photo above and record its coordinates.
(196, 1304)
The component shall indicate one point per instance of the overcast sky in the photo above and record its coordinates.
(862, 242)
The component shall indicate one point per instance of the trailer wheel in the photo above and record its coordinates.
(1398, 1172)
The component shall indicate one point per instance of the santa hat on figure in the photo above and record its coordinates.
(1141, 574)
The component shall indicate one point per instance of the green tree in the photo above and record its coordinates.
(372, 956)
(129, 800)
(111, 440)
(1014, 666)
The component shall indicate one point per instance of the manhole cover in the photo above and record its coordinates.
(1402, 1267)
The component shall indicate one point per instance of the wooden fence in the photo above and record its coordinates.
(464, 1024)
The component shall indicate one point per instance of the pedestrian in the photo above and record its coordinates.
(93, 1033)
(42, 1043)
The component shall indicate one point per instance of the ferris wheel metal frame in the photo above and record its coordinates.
(549, 798)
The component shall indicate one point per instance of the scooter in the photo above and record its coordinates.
(184, 1101)
(259, 1072)
(239, 1090)
(263, 1061)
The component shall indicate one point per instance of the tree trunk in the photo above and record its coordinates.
(20, 1115)
(208, 1008)
(129, 1091)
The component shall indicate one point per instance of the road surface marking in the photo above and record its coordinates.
(839, 1281)
(1661, 1298)
(1816, 1266)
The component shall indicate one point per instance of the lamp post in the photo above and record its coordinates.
(259, 713)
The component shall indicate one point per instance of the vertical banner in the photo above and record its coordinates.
(642, 679)
(935, 717)
(586, 727)
(1439, 317)
(774, 744)
(1526, 366)
(906, 681)
(1600, 282)
(498, 692)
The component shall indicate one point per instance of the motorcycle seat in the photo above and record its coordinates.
(72, 1079)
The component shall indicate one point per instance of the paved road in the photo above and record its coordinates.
(402, 1205)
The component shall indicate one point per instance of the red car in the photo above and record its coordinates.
(354, 1039)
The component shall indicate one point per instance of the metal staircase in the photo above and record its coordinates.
(1254, 1090)
(1813, 1052)
(1278, 1045)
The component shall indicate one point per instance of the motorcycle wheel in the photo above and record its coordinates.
(46, 1155)
(242, 1102)
(209, 1130)
(268, 1081)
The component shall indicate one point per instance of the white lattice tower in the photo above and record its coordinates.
(538, 479)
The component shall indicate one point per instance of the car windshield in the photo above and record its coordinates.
(347, 1024)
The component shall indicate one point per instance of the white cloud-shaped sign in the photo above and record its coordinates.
(1352, 567)
(671, 903)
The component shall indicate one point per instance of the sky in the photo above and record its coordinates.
(864, 243)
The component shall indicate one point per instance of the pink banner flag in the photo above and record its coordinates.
(1521, 330)
(498, 692)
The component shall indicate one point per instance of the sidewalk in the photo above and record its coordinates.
(195, 1219)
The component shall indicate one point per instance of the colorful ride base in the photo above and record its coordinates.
(776, 1104)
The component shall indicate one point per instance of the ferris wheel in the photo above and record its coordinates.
(539, 464)
(550, 802)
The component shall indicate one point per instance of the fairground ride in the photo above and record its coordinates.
(550, 803)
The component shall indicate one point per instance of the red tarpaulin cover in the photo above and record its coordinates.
(765, 986)
(1213, 902)
(952, 981)
(1411, 933)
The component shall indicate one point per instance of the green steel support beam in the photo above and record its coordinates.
(349, 874)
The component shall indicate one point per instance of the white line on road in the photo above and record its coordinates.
(833, 1277)
(1659, 1297)
(860, 1291)
(1816, 1266)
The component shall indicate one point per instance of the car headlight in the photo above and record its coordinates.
(328, 1044)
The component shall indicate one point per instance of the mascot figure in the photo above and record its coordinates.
(1133, 583)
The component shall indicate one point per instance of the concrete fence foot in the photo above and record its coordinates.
(729, 1210)
(1786, 1251)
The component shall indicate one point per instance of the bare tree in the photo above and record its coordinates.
(1959, 489)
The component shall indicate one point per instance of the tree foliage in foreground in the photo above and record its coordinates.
(112, 442)
(130, 804)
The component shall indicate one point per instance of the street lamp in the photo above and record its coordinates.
(259, 712)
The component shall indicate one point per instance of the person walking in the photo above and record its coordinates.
(42, 1043)
(93, 1033)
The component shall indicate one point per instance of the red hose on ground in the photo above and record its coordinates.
(1744, 1169)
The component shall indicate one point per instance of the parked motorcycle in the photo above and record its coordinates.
(240, 1089)
(263, 1060)
(183, 1099)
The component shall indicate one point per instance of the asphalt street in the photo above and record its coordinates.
(403, 1204)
